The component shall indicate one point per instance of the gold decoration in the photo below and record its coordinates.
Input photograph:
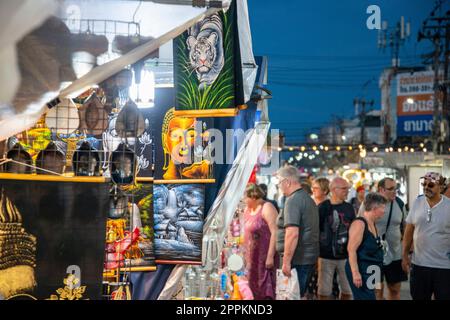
(17, 251)
(69, 292)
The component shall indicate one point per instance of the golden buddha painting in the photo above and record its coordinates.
(184, 143)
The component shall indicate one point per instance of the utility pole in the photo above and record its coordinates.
(436, 28)
(445, 88)
(357, 102)
(394, 38)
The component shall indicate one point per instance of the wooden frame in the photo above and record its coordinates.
(45, 177)
(184, 181)
(208, 113)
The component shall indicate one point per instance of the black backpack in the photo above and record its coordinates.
(335, 231)
(340, 237)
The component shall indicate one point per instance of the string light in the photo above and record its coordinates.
(350, 148)
(303, 148)
(326, 148)
(411, 150)
(314, 148)
(422, 145)
(360, 146)
(321, 147)
(375, 149)
(363, 153)
(317, 152)
(291, 149)
(399, 149)
(338, 148)
(386, 150)
(424, 149)
(391, 149)
(406, 148)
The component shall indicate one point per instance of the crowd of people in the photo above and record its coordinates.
(362, 250)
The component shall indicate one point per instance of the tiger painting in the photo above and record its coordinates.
(206, 54)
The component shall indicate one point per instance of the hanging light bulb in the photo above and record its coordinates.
(143, 92)
(314, 148)
(375, 149)
(406, 148)
(291, 149)
(411, 150)
(399, 149)
(303, 148)
(425, 150)
(326, 148)
(321, 147)
(391, 149)
(422, 145)
(386, 150)
(338, 148)
(350, 148)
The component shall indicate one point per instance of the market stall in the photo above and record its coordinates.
(144, 146)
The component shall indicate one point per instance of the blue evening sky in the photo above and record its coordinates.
(321, 53)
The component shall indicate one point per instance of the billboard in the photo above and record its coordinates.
(415, 103)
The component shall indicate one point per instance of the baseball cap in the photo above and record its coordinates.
(434, 176)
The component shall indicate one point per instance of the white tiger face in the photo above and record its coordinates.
(202, 52)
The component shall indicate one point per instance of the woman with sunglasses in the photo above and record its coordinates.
(365, 249)
(428, 232)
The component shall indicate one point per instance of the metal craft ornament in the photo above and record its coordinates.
(86, 160)
(130, 123)
(18, 154)
(123, 164)
(93, 116)
(51, 159)
(63, 118)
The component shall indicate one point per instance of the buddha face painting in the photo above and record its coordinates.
(178, 141)
(181, 139)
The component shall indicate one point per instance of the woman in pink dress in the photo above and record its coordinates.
(259, 242)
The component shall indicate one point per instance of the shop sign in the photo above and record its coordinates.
(420, 125)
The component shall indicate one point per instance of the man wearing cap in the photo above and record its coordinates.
(297, 228)
(428, 230)
(390, 227)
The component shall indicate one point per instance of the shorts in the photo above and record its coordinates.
(327, 267)
(304, 274)
(393, 272)
(426, 282)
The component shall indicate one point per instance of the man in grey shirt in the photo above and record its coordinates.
(428, 229)
(297, 228)
(390, 228)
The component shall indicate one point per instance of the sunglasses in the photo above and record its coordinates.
(429, 215)
(429, 184)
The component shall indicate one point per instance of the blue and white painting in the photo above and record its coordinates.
(178, 217)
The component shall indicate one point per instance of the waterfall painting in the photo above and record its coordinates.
(178, 218)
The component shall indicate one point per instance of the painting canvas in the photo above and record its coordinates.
(179, 218)
(204, 63)
(55, 235)
(130, 229)
(181, 145)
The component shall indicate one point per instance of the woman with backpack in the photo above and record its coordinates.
(365, 249)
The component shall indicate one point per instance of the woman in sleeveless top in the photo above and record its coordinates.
(365, 250)
(259, 242)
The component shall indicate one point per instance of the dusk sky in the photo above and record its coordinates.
(321, 53)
